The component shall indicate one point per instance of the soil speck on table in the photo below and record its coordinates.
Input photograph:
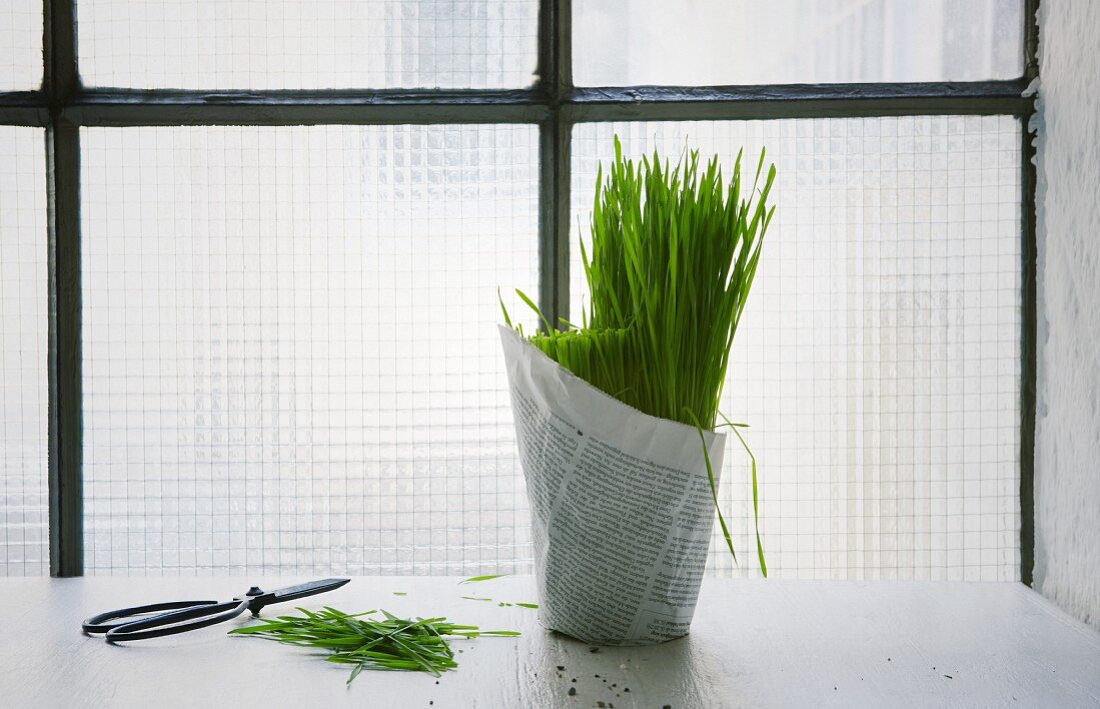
(572, 691)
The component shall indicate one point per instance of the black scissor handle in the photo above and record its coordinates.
(98, 623)
(178, 621)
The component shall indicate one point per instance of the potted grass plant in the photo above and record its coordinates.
(617, 418)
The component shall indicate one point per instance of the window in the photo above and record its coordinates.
(298, 44)
(249, 266)
(289, 363)
(20, 45)
(23, 441)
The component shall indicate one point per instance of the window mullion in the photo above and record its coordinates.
(1029, 319)
(556, 83)
(61, 84)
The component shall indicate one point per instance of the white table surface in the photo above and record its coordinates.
(753, 643)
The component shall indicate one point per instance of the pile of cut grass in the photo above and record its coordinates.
(392, 643)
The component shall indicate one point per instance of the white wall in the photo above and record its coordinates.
(1067, 447)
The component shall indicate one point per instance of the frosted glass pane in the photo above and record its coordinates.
(719, 42)
(23, 324)
(291, 363)
(20, 45)
(878, 358)
(308, 44)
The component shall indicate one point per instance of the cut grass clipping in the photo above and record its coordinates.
(418, 645)
(674, 253)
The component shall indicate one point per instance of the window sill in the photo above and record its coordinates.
(757, 643)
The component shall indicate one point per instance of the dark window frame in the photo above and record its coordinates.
(62, 106)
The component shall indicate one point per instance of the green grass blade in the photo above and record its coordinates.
(714, 489)
(487, 577)
(531, 304)
(755, 495)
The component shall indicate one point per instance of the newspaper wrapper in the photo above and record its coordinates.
(621, 506)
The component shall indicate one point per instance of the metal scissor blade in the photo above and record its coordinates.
(305, 589)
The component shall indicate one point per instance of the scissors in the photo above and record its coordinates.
(136, 623)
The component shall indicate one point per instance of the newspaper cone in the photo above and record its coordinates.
(621, 507)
